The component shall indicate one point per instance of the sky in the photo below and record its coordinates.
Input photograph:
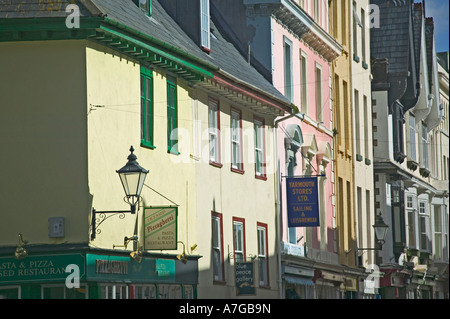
(438, 10)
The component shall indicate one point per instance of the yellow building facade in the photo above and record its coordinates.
(90, 96)
(343, 141)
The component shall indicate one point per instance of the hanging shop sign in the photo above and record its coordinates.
(160, 228)
(244, 278)
(302, 201)
(40, 268)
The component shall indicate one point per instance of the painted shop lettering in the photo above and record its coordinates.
(111, 267)
(160, 224)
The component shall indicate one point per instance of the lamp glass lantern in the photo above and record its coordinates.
(132, 176)
(380, 228)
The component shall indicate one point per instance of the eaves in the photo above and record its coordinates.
(245, 95)
(112, 34)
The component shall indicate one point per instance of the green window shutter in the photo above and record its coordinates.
(172, 117)
(146, 108)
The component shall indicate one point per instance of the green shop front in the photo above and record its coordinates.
(97, 274)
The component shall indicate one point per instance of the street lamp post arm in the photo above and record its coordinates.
(97, 221)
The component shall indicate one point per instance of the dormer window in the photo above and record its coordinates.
(146, 6)
(205, 25)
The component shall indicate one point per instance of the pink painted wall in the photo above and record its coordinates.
(280, 33)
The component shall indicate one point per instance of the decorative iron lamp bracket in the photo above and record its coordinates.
(102, 216)
(132, 176)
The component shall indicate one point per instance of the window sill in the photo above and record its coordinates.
(365, 65)
(264, 287)
(367, 161)
(356, 58)
(215, 164)
(219, 282)
(237, 170)
(147, 145)
(173, 152)
(359, 157)
(261, 177)
(205, 49)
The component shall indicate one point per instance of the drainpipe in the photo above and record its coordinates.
(300, 116)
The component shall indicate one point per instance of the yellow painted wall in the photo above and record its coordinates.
(363, 172)
(343, 142)
(234, 195)
(114, 86)
(43, 151)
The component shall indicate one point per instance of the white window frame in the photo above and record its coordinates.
(288, 78)
(304, 82)
(205, 24)
(214, 131)
(260, 165)
(424, 220)
(217, 247)
(411, 217)
(236, 140)
(262, 255)
(424, 143)
(319, 93)
(239, 240)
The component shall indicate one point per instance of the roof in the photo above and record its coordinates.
(160, 28)
(392, 39)
(44, 8)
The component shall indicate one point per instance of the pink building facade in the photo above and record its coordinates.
(301, 71)
(288, 43)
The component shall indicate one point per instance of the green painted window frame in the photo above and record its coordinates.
(147, 108)
(147, 7)
(172, 117)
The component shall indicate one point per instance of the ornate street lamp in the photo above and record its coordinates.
(132, 176)
(380, 228)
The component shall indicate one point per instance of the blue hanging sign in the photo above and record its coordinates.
(302, 201)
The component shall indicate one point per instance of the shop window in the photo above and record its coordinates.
(188, 292)
(114, 292)
(10, 293)
(143, 291)
(62, 292)
(169, 292)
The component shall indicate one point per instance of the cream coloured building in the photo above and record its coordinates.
(362, 132)
(201, 130)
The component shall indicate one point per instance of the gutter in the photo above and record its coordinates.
(287, 108)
